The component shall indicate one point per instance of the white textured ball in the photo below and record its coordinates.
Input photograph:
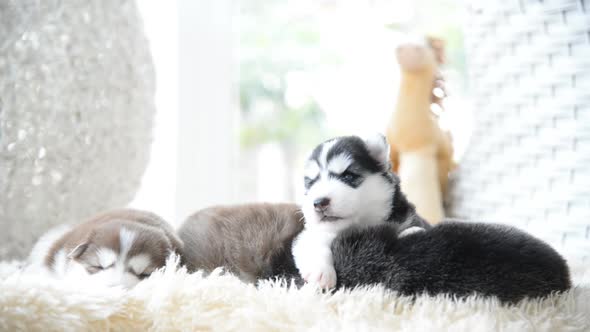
(76, 113)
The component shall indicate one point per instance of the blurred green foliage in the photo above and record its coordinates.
(291, 125)
(279, 37)
(273, 44)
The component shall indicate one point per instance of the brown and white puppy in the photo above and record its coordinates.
(241, 238)
(119, 247)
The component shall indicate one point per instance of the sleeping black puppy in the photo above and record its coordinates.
(454, 258)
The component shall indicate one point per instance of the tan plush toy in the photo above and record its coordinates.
(421, 152)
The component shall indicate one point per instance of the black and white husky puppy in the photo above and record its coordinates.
(359, 226)
(348, 183)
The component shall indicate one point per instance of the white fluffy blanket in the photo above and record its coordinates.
(174, 300)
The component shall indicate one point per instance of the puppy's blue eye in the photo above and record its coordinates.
(349, 176)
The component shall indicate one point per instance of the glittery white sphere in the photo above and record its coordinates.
(76, 113)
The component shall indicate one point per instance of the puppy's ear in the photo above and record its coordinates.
(78, 251)
(378, 148)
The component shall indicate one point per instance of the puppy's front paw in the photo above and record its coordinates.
(324, 276)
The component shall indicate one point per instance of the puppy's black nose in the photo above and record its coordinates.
(321, 204)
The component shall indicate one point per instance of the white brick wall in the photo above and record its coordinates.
(528, 163)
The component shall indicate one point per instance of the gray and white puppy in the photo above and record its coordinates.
(348, 183)
(241, 238)
(119, 247)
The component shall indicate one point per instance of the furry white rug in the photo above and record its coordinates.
(174, 300)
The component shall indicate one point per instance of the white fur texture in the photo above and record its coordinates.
(411, 230)
(42, 246)
(311, 169)
(327, 146)
(378, 147)
(173, 300)
(313, 257)
(139, 264)
(339, 163)
(106, 257)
